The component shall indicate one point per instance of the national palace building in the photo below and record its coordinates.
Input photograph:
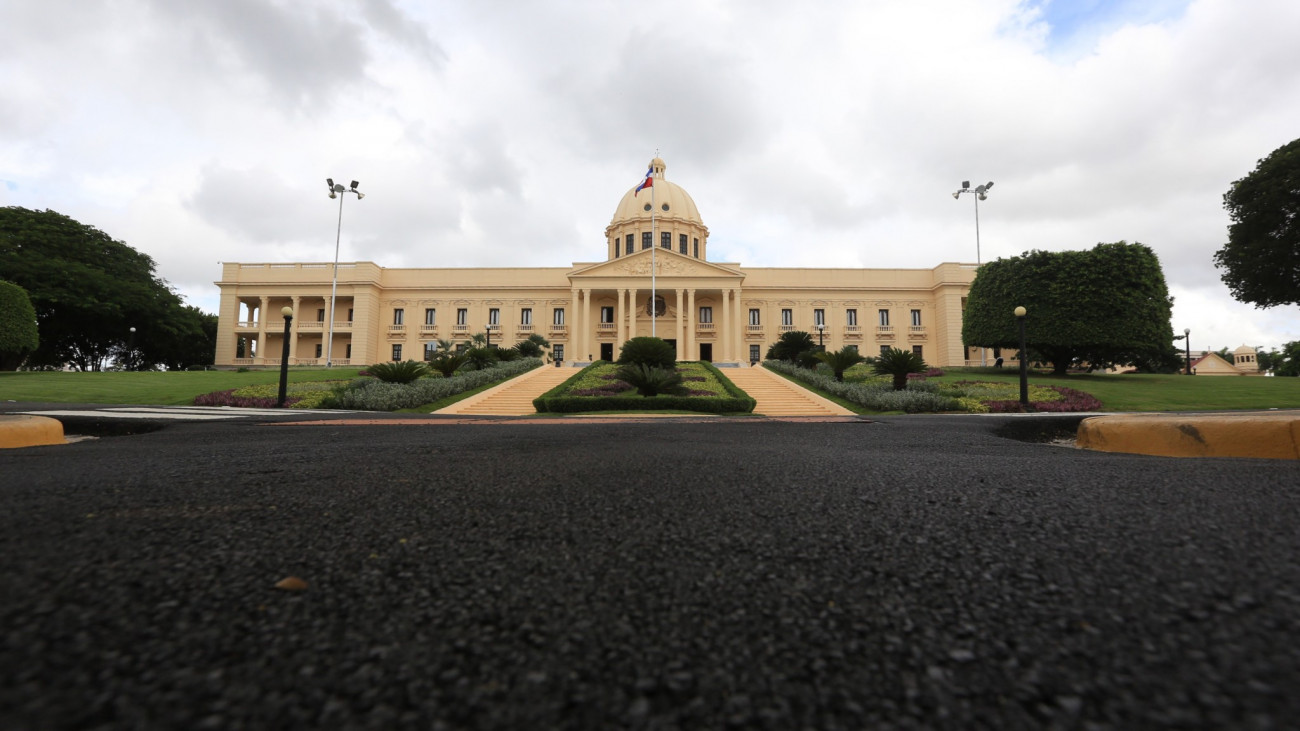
(716, 311)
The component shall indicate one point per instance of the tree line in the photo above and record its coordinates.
(86, 291)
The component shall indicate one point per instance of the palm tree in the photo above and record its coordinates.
(479, 340)
(899, 363)
(447, 363)
(790, 345)
(841, 360)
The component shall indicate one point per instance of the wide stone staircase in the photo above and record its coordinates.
(514, 397)
(778, 397)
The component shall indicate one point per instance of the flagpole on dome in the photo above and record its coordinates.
(654, 244)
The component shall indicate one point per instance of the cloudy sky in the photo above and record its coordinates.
(494, 133)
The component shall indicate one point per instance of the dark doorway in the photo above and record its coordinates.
(706, 352)
(607, 352)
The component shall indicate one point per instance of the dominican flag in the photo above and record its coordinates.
(647, 183)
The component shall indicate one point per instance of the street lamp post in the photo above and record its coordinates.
(1024, 361)
(1187, 336)
(821, 328)
(284, 357)
(336, 191)
(130, 350)
(980, 192)
(489, 334)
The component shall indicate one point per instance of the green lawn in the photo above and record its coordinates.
(170, 388)
(1148, 392)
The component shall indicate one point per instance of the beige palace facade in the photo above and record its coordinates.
(716, 311)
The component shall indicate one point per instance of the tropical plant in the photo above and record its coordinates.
(505, 355)
(405, 371)
(480, 358)
(790, 345)
(529, 349)
(899, 363)
(374, 395)
(655, 352)
(478, 340)
(840, 360)
(447, 362)
(650, 380)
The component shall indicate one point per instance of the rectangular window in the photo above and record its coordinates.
(320, 315)
(917, 350)
(997, 352)
(851, 317)
(665, 240)
(606, 314)
(557, 316)
(884, 350)
(526, 316)
(646, 240)
(851, 348)
(557, 352)
(787, 318)
(349, 314)
(429, 350)
(319, 349)
(397, 352)
(399, 316)
(819, 317)
(681, 244)
(430, 316)
(347, 351)
(697, 248)
(754, 317)
(753, 353)
(884, 318)
(462, 316)
(916, 318)
(706, 314)
(617, 248)
(494, 316)
(630, 242)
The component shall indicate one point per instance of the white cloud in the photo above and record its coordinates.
(497, 133)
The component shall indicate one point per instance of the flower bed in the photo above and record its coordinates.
(596, 388)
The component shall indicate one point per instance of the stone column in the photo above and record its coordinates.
(680, 334)
(738, 332)
(261, 329)
(724, 332)
(586, 324)
(620, 316)
(631, 313)
(572, 324)
(691, 352)
(293, 334)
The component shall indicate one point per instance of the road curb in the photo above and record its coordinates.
(21, 430)
(1267, 434)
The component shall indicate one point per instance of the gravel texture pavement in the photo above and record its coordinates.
(914, 572)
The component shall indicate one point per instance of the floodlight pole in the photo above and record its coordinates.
(336, 191)
(980, 192)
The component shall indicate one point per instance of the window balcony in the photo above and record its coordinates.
(460, 329)
(916, 332)
(247, 325)
(311, 325)
(787, 328)
(525, 327)
(429, 330)
(606, 327)
(754, 331)
(704, 327)
(559, 328)
(853, 332)
(884, 332)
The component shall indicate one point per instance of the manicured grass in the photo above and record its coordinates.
(1152, 392)
(176, 388)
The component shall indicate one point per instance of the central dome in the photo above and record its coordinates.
(674, 216)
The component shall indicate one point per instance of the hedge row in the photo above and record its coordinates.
(371, 394)
(876, 396)
(554, 401)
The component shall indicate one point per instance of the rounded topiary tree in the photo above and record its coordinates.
(18, 332)
(655, 352)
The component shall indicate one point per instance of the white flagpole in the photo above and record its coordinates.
(654, 244)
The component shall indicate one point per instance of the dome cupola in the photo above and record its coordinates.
(662, 211)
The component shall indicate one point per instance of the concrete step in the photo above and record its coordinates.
(514, 397)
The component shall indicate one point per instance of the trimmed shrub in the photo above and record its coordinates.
(873, 395)
(18, 331)
(369, 394)
(654, 352)
(565, 398)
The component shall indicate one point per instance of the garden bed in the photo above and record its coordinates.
(596, 388)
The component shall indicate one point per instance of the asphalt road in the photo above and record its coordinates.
(917, 572)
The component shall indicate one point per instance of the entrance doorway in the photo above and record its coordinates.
(607, 352)
(706, 352)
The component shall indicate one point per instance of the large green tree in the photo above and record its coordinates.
(1105, 306)
(1261, 261)
(89, 291)
(18, 333)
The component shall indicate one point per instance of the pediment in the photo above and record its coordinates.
(666, 263)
